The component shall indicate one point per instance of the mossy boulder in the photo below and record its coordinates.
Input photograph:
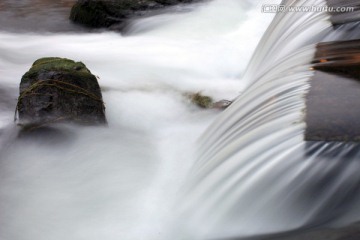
(60, 90)
(114, 13)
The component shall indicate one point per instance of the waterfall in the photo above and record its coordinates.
(119, 182)
(255, 174)
(146, 175)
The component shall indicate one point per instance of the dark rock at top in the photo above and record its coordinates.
(59, 90)
(114, 13)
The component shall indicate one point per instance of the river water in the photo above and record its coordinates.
(254, 173)
(120, 181)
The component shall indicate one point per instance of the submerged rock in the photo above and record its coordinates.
(59, 90)
(207, 102)
(222, 104)
(113, 14)
(201, 100)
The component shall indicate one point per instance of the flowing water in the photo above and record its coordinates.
(120, 181)
(255, 174)
(146, 175)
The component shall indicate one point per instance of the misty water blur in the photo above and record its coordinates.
(255, 174)
(120, 181)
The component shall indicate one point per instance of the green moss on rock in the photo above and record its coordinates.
(59, 64)
(207, 102)
(59, 89)
(201, 101)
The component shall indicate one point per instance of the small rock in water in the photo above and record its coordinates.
(207, 102)
(58, 90)
(222, 104)
(200, 100)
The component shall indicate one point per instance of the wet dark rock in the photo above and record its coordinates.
(339, 57)
(57, 90)
(331, 112)
(222, 104)
(114, 14)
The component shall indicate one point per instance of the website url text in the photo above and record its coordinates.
(275, 8)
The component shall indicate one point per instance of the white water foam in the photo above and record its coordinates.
(255, 174)
(121, 182)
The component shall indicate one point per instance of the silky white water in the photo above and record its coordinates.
(254, 172)
(121, 181)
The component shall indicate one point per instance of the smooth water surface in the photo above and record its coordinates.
(122, 181)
